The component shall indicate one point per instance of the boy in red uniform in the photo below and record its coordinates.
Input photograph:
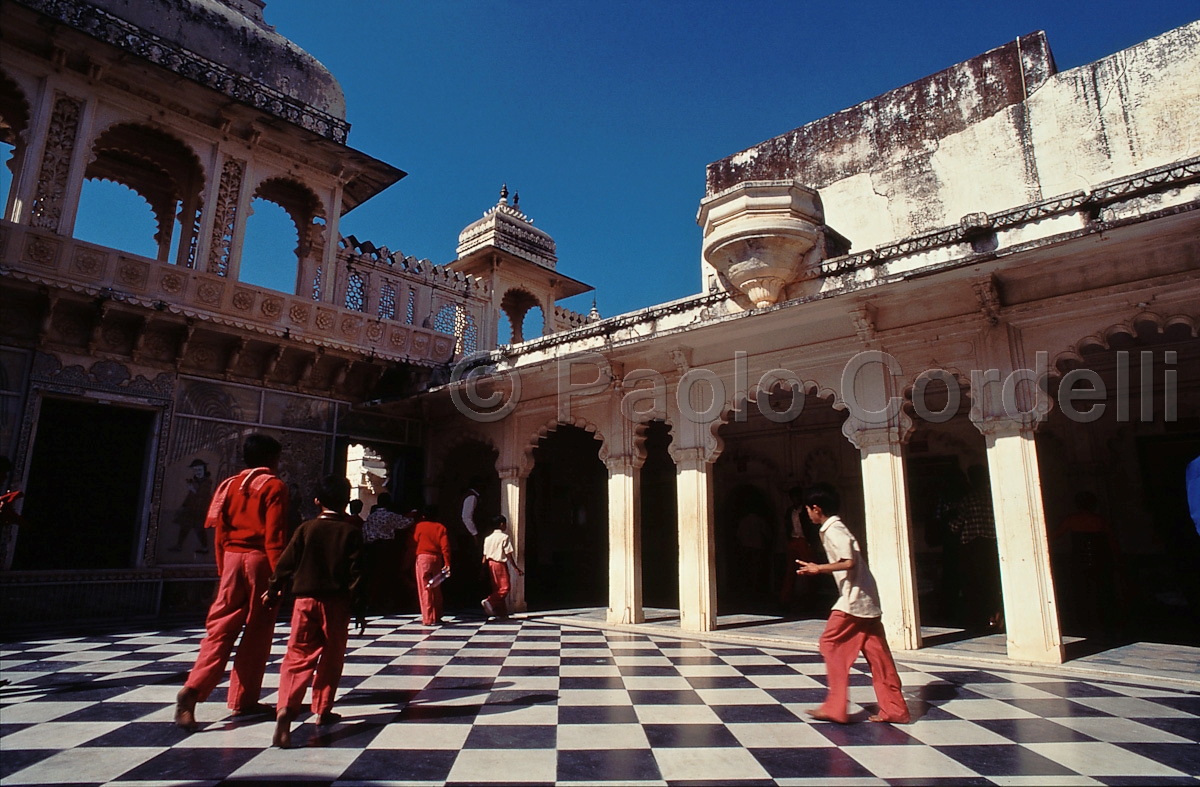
(432, 549)
(321, 567)
(249, 514)
(854, 624)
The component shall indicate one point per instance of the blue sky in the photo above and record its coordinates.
(604, 115)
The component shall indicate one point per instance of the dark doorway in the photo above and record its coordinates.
(745, 534)
(566, 542)
(936, 485)
(85, 487)
(1168, 602)
(470, 465)
(660, 526)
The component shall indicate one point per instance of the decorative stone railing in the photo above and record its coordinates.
(565, 319)
(42, 257)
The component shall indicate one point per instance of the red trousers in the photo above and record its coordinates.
(844, 638)
(316, 652)
(499, 592)
(430, 598)
(238, 604)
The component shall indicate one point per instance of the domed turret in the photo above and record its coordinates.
(233, 34)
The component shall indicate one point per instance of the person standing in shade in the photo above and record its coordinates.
(249, 515)
(431, 548)
(854, 623)
(498, 552)
(321, 567)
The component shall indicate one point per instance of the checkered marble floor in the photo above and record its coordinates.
(531, 702)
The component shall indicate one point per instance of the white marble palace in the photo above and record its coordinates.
(996, 266)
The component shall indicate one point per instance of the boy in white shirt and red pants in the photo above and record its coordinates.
(498, 552)
(854, 624)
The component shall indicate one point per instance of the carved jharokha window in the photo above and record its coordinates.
(445, 320)
(387, 301)
(14, 119)
(454, 320)
(163, 171)
(356, 292)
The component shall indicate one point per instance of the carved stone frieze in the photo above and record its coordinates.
(229, 192)
(243, 300)
(299, 313)
(171, 283)
(271, 308)
(133, 274)
(46, 211)
(209, 293)
(443, 347)
(420, 343)
(89, 263)
(351, 326)
(40, 251)
(103, 375)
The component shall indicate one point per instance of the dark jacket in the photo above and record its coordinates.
(322, 560)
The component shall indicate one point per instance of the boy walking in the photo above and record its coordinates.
(854, 624)
(431, 548)
(249, 515)
(321, 568)
(497, 554)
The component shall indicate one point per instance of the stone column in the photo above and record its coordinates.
(697, 557)
(1030, 609)
(889, 532)
(625, 539)
(512, 506)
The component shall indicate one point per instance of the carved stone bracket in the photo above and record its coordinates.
(989, 299)
(866, 437)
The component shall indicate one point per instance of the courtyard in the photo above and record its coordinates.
(561, 698)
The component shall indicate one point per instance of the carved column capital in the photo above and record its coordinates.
(991, 428)
(864, 436)
(623, 462)
(513, 472)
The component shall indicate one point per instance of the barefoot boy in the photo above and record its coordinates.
(321, 568)
(854, 624)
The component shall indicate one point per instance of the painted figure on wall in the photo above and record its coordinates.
(191, 513)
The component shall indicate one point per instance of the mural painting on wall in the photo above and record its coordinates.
(212, 421)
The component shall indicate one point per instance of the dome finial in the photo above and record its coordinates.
(516, 198)
(503, 195)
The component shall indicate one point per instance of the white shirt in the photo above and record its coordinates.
(468, 512)
(497, 546)
(857, 594)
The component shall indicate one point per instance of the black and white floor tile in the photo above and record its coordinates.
(529, 702)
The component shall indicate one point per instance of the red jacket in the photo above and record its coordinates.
(249, 513)
(429, 538)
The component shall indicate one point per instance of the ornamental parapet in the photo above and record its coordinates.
(52, 261)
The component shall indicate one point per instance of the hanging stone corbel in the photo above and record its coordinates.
(765, 236)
